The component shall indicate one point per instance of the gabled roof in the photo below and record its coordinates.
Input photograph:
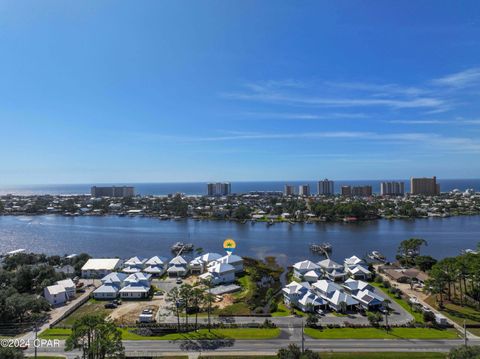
(136, 287)
(368, 297)
(305, 265)
(155, 260)
(311, 298)
(154, 269)
(353, 260)
(106, 288)
(174, 269)
(66, 283)
(55, 289)
(329, 264)
(294, 288)
(231, 259)
(131, 269)
(337, 297)
(196, 262)
(209, 257)
(101, 264)
(137, 277)
(326, 286)
(353, 284)
(178, 261)
(221, 268)
(134, 261)
(312, 274)
(358, 269)
(114, 277)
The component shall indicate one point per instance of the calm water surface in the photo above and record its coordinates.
(127, 236)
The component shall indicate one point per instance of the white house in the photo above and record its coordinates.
(311, 276)
(196, 266)
(358, 272)
(177, 267)
(332, 270)
(336, 299)
(300, 296)
(108, 290)
(100, 267)
(134, 291)
(220, 273)
(368, 299)
(55, 295)
(69, 287)
(234, 260)
(352, 261)
(155, 266)
(300, 268)
(133, 265)
(209, 257)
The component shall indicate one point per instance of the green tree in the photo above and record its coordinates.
(312, 320)
(186, 298)
(294, 352)
(96, 337)
(173, 298)
(374, 319)
(409, 249)
(465, 352)
(11, 353)
(425, 263)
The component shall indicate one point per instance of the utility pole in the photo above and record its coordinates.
(35, 342)
(303, 338)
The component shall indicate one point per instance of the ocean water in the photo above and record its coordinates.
(199, 188)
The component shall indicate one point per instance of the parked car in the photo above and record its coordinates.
(110, 305)
(320, 312)
(179, 281)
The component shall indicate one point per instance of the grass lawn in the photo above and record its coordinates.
(240, 333)
(282, 311)
(240, 308)
(227, 333)
(55, 333)
(91, 307)
(458, 314)
(386, 355)
(377, 333)
(403, 303)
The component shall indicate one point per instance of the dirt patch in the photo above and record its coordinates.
(227, 299)
(128, 312)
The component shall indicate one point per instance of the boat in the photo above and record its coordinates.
(468, 251)
(182, 247)
(324, 247)
(376, 255)
(270, 223)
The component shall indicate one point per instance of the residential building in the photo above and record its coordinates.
(112, 191)
(392, 188)
(177, 267)
(289, 190)
(301, 296)
(220, 273)
(332, 270)
(219, 189)
(304, 190)
(155, 266)
(325, 187)
(136, 286)
(234, 260)
(356, 268)
(303, 267)
(346, 191)
(424, 186)
(69, 286)
(133, 265)
(100, 267)
(362, 191)
(111, 285)
(55, 295)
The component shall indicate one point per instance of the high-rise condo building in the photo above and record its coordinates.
(112, 191)
(304, 190)
(362, 191)
(325, 187)
(346, 191)
(219, 189)
(289, 190)
(424, 186)
(392, 188)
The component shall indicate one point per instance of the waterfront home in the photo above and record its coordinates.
(325, 287)
(311, 276)
(133, 265)
(196, 266)
(69, 287)
(66, 269)
(220, 273)
(332, 270)
(155, 266)
(115, 278)
(55, 295)
(99, 267)
(139, 277)
(357, 268)
(352, 286)
(301, 268)
(234, 260)
(209, 257)
(368, 299)
(177, 267)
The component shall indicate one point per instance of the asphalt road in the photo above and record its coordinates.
(252, 347)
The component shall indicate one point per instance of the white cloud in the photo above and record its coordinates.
(460, 79)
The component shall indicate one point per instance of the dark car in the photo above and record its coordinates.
(110, 305)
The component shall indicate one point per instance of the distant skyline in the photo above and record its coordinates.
(187, 91)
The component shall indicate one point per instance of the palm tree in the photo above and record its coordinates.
(197, 299)
(387, 303)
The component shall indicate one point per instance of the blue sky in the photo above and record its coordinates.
(153, 91)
